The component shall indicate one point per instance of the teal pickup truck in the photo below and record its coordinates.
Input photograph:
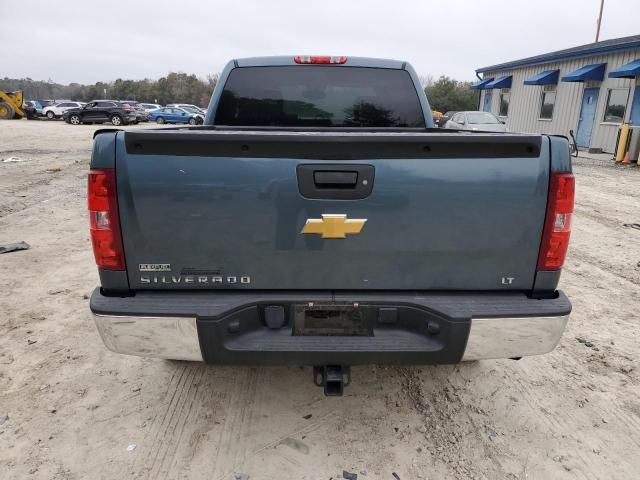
(318, 218)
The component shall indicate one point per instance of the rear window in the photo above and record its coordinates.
(319, 96)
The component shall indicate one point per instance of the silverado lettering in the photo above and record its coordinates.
(200, 279)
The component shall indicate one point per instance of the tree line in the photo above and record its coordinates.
(447, 94)
(173, 88)
(444, 94)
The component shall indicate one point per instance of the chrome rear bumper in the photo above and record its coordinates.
(513, 337)
(177, 337)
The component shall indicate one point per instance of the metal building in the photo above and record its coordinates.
(591, 89)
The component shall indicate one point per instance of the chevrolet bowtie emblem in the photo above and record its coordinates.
(334, 225)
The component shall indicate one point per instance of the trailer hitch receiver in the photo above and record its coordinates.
(333, 378)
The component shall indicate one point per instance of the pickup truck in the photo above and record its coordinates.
(318, 218)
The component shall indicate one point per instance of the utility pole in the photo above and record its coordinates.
(599, 20)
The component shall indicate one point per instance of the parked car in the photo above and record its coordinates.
(197, 112)
(141, 113)
(269, 242)
(481, 121)
(57, 109)
(31, 109)
(101, 111)
(150, 106)
(444, 118)
(188, 105)
(173, 115)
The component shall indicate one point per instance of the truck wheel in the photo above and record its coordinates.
(50, 115)
(6, 111)
(192, 121)
(160, 120)
(75, 119)
(116, 120)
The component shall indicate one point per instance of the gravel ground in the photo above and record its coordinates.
(70, 409)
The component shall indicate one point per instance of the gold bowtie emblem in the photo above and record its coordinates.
(334, 225)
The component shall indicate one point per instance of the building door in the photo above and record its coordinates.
(635, 108)
(486, 106)
(587, 116)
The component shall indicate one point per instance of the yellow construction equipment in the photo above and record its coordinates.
(11, 105)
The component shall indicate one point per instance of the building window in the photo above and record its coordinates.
(547, 104)
(488, 99)
(505, 96)
(616, 105)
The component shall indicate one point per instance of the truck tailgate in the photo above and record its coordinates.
(210, 209)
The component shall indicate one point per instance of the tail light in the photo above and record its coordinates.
(104, 220)
(557, 225)
(318, 59)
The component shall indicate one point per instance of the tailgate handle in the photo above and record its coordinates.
(333, 179)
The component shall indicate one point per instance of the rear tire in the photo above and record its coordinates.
(160, 120)
(75, 119)
(6, 111)
(116, 120)
(51, 115)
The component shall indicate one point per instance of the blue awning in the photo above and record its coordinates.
(629, 70)
(482, 85)
(502, 82)
(548, 77)
(588, 72)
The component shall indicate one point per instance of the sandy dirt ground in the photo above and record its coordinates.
(70, 409)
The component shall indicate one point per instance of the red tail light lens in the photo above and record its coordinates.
(318, 59)
(557, 225)
(104, 221)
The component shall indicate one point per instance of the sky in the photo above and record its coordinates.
(86, 41)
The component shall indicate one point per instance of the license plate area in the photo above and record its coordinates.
(330, 319)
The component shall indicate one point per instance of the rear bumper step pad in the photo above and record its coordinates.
(227, 327)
